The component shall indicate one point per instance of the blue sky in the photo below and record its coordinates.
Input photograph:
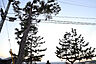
(53, 32)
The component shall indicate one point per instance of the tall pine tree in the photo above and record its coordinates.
(73, 47)
(28, 16)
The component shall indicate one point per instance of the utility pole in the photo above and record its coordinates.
(4, 14)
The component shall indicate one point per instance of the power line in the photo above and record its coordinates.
(74, 17)
(8, 35)
(70, 3)
(3, 4)
(64, 22)
(69, 17)
(68, 22)
(80, 3)
(11, 13)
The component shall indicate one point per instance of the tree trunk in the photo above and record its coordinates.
(30, 60)
(23, 41)
(22, 46)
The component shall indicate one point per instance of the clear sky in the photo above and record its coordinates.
(53, 32)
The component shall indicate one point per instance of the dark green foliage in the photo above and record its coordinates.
(48, 8)
(33, 48)
(28, 16)
(73, 47)
(33, 10)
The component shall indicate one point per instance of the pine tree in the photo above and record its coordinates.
(73, 47)
(28, 16)
(33, 48)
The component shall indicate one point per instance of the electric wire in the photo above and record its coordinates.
(68, 22)
(75, 17)
(8, 35)
(9, 42)
(63, 22)
(81, 3)
(70, 17)
(70, 3)
(11, 13)
(3, 4)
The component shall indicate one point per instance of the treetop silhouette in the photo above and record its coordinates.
(28, 17)
(73, 47)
